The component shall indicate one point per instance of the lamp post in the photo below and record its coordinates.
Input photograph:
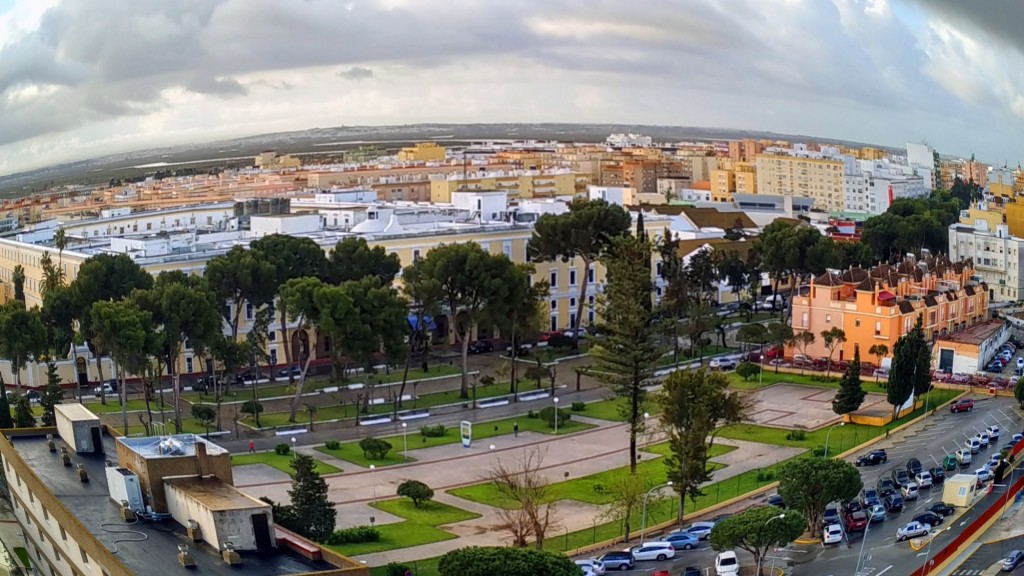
(643, 516)
(556, 415)
(924, 568)
(760, 559)
(827, 434)
(373, 482)
(860, 555)
(405, 441)
(293, 447)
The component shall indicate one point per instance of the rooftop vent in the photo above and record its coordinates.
(82, 474)
(195, 534)
(231, 558)
(184, 558)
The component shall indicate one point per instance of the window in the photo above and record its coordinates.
(188, 365)
(590, 274)
(828, 318)
(250, 312)
(63, 534)
(85, 558)
(327, 343)
(416, 255)
(272, 336)
(878, 328)
(856, 322)
(554, 279)
(554, 305)
(506, 249)
(572, 303)
(554, 323)
(572, 277)
(803, 320)
(273, 356)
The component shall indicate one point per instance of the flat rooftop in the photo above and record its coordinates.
(975, 334)
(91, 504)
(169, 446)
(215, 494)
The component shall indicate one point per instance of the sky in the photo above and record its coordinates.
(82, 78)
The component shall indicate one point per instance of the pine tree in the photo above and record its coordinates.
(905, 364)
(23, 417)
(851, 394)
(5, 409)
(314, 513)
(51, 396)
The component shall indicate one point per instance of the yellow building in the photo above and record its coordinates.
(1015, 219)
(723, 184)
(269, 160)
(817, 178)
(518, 183)
(992, 213)
(422, 152)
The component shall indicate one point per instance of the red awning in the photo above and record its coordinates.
(886, 295)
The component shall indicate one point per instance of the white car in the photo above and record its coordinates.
(994, 462)
(833, 534)
(993, 431)
(726, 564)
(963, 457)
(700, 529)
(982, 439)
(723, 364)
(659, 551)
(909, 491)
(591, 566)
(973, 444)
(923, 479)
(983, 474)
(912, 530)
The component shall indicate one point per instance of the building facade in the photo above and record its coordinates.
(802, 175)
(998, 257)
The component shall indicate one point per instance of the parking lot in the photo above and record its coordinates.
(1011, 368)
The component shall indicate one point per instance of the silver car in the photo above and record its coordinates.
(1012, 560)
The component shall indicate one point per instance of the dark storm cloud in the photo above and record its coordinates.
(1001, 20)
(356, 73)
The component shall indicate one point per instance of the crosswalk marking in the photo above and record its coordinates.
(968, 573)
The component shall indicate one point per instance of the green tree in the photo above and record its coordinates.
(906, 361)
(517, 311)
(18, 279)
(810, 484)
(699, 320)
(22, 337)
(501, 561)
(470, 279)
(5, 409)
(121, 328)
(879, 351)
(297, 297)
(757, 530)
(752, 334)
(693, 405)
(585, 232)
(353, 259)
(627, 355)
(626, 492)
(677, 294)
(292, 257)
(801, 340)
(51, 395)
(702, 269)
(416, 491)
(23, 417)
(779, 334)
(205, 415)
(425, 295)
(851, 394)
(238, 278)
(104, 277)
(312, 510)
(53, 276)
(1018, 391)
(833, 338)
(747, 370)
(58, 316)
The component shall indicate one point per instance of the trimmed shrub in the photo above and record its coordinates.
(532, 414)
(796, 435)
(282, 449)
(354, 535)
(437, 431)
(332, 444)
(548, 416)
(579, 406)
(397, 569)
(374, 448)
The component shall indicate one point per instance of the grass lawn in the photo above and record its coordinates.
(712, 350)
(342, 412)
(605, 410)
(351, 452)
(769, 377)
(22, 555)
(189, 426)
(588, 489)
(420, 526)
(282, 463)
(113, 406)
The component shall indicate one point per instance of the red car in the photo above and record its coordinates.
(965, 405)
(856, 521)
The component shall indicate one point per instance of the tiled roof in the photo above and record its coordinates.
(866, 286)
(969, 290)
(905, 307)
(854, 275)
(829, 279)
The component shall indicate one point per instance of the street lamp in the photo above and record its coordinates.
(827, 434)
(556, 415)
(761, 558)
(373, 482)
(405, 441)
(864, 538)
(293, 447)
(924, 569)
(643, 516)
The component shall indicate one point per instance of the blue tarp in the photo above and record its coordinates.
(427, 319)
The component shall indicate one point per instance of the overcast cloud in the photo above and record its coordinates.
(79, 78)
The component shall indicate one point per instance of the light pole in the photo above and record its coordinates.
(293, 447)
(761, 558)
(924, 569)
(860, 555)
(643, 516)
(405, 441)
(829, 433)
(373, 482)
(556, 415)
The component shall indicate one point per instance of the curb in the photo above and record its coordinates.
(806, 541)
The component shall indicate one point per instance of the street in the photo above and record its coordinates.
(989, 554)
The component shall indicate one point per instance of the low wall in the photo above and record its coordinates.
(879, 421)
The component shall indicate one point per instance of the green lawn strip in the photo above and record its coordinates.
(842, 438)
(281, 462)
(588, 489)
(351, 452)
(420, 526)
(709, 351)
(22, 555)
(188, 425)
(342, 412)
(605, 410)
(769, 377)
(113, 406)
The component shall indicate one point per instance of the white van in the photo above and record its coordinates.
(774, 299)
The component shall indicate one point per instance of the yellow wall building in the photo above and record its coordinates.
(990, 213)
(820, 179)
(519, 184)
(1015, 219)
(422, 152)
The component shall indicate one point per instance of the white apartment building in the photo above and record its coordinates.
(998, 257)
(922, 157)
(868, 185)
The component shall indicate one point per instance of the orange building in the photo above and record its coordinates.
(879, 305)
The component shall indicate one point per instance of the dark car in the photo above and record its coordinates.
(913, 467)
(294, 370)
(831, 515)
(776, 500)
(893, 503)
(941, 508)
(885, 487)
(869, 497)
(929, 518)
(691, 571)
(853, 506)
(965, 405)
(900, 477)
(938, 475)
(480, 347)
(617, 560)
(873, 458)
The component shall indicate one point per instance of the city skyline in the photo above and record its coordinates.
(877, 71)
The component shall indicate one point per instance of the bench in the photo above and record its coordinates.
(376, 420)
(413, 415)
(305, 549)
(493, 403)
(291, 432)
(526, 397)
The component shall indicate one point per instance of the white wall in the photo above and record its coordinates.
(219, 526)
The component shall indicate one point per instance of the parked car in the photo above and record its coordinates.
(938, 475)
(727, 564)
(659, 551)
(872, 458)
(106, 389)
(595, 566)
(963, 457)
(911, 530)
(722, 364)
(876, 513)
(913, 466)
(893, 503)
(900, 477)
(1012, 560)
(856, 521)
(294, 371)
(929, 518)
(941, 508)
(993, 431)
(869, 497)
(994, 462)
(983, 474)
(831, 515)
(923, 479)
(617, 560)
(480, 347)
(909, 491)
(776, 500)
(885, 487)
(833, 534)
(681, 540)
(973, 444)
(692, 571)
(964, 405)
(854, 506)
(982, 439)
(1017, 438)
(700, 529)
